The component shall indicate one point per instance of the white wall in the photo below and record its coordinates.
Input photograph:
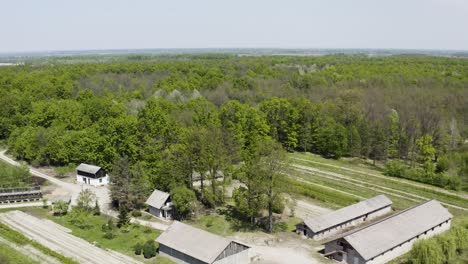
(404, 248)
(387, 256)
(92, 181)
(238, 258)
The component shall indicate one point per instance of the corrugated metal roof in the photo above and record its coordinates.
(194, 242)
(374, 239)
(348, 213)
(157, 199)
(88, 168)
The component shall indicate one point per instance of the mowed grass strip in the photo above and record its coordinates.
(9, 255)
(428, 193)
(316, 192)
(18, 238)
(342, 185)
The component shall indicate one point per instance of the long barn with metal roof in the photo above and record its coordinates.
(186, 244)
(331, 223)
(390, 237)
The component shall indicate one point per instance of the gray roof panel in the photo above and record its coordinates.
(376, 238)
(348, 213)
(194, 242)
(157, 199)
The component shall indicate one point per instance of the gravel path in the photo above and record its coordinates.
(60, 241)
(19, 205)
(102, 193)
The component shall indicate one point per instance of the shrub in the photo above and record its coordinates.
(109, 235)
(426, 251)
(395, 169)
(136, 213)
(461, 238)
(149, 249)
(138, 248)
(448, 245)
(278, 204)
(96, 209)
(45, 204)
(79, 219)
(60, 208)
(123, 217)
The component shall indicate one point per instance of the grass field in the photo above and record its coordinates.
(9, 255)
(18, 238)
(362, 181)
(353, 178)
(123, 242)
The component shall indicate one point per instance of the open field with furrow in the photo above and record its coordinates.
(60, 241)
(367, 184)
(311, 159)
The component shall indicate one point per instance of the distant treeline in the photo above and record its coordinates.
(407, 108)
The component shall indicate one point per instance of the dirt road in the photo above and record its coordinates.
(60, 241)
(102, 193)
(305, 210)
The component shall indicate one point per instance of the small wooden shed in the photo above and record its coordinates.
(160, 204)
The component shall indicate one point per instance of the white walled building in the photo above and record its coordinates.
(390, 237)
(329, 224)
(160, 204)
(92, 175)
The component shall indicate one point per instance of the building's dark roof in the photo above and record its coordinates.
(88, 168)
(381, 236)
(348, 213)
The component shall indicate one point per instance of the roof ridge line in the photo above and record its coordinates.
(377, 222)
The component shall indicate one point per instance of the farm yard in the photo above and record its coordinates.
(123, 151)
(351, 181)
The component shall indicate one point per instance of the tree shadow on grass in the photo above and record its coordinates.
(237, 221)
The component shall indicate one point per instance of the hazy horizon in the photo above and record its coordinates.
(53, 25)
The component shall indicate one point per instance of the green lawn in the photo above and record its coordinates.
(9, 255)
(122, 242)
(214, 223)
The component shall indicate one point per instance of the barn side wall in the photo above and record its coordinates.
(233, 253)
(92, 181)
(353, 257)
(178, 256)
(405, 247)
(238, 258)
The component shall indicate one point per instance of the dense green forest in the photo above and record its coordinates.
(170, 116)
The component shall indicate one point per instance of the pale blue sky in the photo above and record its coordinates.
(40, 25)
